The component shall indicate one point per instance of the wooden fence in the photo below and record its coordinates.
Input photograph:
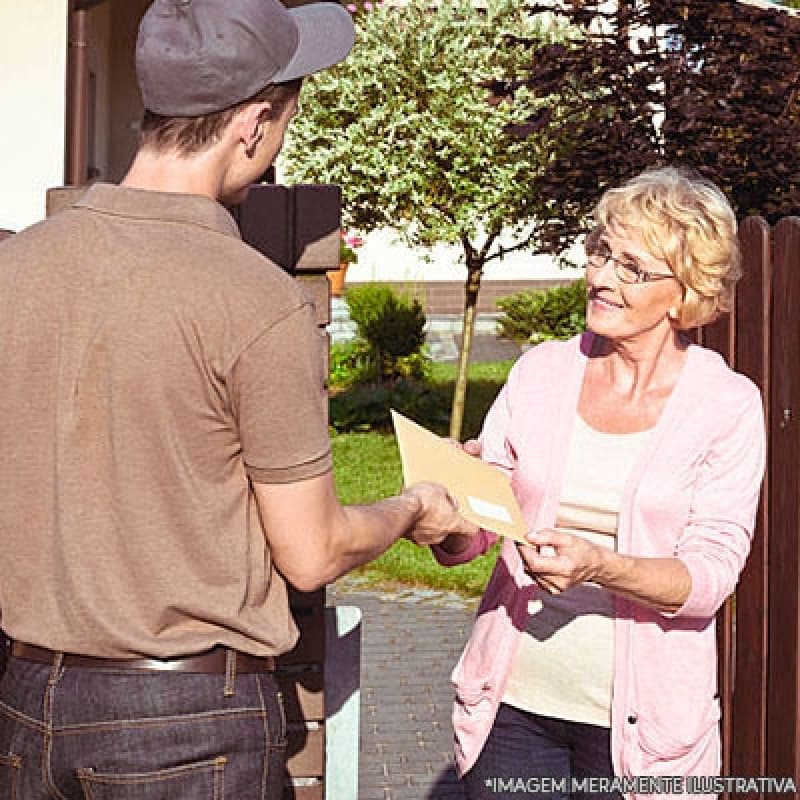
(759, 630)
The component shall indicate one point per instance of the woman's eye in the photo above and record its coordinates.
(631, 266)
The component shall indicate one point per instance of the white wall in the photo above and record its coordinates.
(33, 53)
(383, 257)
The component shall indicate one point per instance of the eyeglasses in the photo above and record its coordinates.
(626, 269)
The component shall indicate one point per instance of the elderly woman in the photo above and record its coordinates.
(636, 458)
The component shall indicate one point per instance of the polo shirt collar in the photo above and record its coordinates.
(145, 204)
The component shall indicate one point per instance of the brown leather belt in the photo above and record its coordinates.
(212, 661)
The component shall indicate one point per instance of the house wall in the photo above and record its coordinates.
(33, 63)
(384, 257)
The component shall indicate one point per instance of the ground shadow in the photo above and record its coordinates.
(446, 787)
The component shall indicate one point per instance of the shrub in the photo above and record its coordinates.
(353, 363)
(393, 327)
(365, 406)
(349, 363)
(540, 314)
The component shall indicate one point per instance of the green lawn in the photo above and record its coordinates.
(367, 468)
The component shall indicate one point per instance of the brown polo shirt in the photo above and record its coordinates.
(152, 366)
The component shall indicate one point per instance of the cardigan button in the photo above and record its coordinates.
(632, 719)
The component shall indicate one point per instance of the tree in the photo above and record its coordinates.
(711, 84)
(408, 132)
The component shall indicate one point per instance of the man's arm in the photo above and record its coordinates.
(314, 539)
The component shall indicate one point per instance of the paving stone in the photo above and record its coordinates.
(411, 640)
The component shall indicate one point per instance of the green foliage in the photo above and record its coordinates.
(352, 363)
(386, 367)
(710, 85)
(366, 406)
(346, 253)
(406, 564)
(404, 127)
(485, 381)
(540, 314)
(348, 364)
(392, 325)
(367, 468)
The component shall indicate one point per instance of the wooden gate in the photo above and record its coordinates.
(759, 629)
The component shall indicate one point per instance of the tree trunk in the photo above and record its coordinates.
(473, 285)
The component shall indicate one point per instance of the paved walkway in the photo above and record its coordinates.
(411, 639)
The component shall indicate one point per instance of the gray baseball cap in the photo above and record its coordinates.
(195, 57)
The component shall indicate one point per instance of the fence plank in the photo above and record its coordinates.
(317, 224)
(783, 706)
(748, 733)
(719, 336)
(303, 694)
(306, 751)
(784, 709)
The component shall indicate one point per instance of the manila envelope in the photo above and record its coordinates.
(482, 491)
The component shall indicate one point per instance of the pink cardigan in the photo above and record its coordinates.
(692, 494)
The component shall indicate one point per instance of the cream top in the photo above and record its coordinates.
(563, 667)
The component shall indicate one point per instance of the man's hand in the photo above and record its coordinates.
(438, 515)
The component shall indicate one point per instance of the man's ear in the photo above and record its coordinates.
(250, 125)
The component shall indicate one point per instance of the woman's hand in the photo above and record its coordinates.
(558, 560)
(471, 447)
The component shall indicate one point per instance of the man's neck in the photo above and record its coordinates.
(199, 174)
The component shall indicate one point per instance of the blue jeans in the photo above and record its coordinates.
(95, 734)
(527, 755)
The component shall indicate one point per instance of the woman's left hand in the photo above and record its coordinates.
(558, 560)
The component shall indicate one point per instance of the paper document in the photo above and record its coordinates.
(482, 491)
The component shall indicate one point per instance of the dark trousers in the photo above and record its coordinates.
(95, 734)
(527, 755)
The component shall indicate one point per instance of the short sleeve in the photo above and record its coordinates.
(279, 398)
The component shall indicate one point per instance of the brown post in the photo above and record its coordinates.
(77, 133)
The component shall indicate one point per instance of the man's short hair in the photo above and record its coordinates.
(190, 135)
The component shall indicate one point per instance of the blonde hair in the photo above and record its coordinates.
(686, 221)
